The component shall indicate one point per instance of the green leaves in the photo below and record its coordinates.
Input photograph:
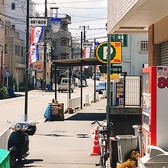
(4, 92)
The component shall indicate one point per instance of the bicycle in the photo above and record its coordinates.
(104, 144)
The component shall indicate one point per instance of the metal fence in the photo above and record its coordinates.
(132, 90)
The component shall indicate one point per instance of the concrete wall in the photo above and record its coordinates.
(132, 59)
(160, 31)
(153, 48)
(124, 119)
(117, 10)
(20, 14)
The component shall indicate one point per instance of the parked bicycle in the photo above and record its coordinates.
(104, 143)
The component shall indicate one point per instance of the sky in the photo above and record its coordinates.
(89, 13)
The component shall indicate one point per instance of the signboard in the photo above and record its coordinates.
(37, 22)
(114, 77)
(114, 69)
(7, 73)
(116, 52)
(87, 44)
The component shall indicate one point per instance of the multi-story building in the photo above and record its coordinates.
(14, 54)
(58, 47)
(16, 12)
(134, 52)
(139, 16)
(2, 39)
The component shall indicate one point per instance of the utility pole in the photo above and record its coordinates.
(1, 64)
(81, 68)
(108, 84)
(84, 33)
(27, 62)
(45, 52)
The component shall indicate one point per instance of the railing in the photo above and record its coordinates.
(4, 138)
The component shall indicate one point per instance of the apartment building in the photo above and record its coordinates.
(2, 39)
(14, 53)
(134, 52)
(58, 47)
(16, 12)
(142, 16)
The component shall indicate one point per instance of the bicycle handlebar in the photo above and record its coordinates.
(110, 124)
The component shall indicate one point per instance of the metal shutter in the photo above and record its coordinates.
(164, 53)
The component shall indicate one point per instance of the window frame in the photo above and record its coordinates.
(13, 6)
(143, 46)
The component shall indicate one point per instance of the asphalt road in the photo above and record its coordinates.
(59, 143)
(13, 109)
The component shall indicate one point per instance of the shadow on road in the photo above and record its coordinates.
(27, 161)
(88, 116)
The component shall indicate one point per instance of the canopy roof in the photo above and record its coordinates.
(77, 62)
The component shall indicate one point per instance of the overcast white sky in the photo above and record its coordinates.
(92, 13)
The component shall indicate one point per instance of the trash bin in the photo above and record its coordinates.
(48, 86)
(4, 158)
(113, 152)
(125, 144)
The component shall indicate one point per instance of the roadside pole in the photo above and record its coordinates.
(108, 84)
(94, 77)
(27, 63)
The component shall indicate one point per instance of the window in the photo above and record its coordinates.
(6, 51)
(22, 51)
(64, 26)
(17, 50)
(121, 38)
(143, 47)
(64, 42)
(13, 26)
(13, 6)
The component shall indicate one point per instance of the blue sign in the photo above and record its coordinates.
(7, 73)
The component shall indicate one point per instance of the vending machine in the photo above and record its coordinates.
(155, 107)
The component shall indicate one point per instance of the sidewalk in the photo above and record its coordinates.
(66, 143)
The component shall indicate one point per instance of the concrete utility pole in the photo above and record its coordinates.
(27, 62)
(81, 68)
(108, 85)
(45, 52)
(84, 32)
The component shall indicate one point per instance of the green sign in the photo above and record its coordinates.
(114, 69)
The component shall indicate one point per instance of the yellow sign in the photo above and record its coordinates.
(113, 76)
(115, 52)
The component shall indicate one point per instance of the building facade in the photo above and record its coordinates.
(16, 12)
(142, 16)
(134, 52)
(58, 47)
(14, 54)
(2, 40)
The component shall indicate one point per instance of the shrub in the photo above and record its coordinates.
(22, 87)
(4, 92)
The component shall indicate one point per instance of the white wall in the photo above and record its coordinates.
(18, 16)
(132, 59)
(117, 9)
